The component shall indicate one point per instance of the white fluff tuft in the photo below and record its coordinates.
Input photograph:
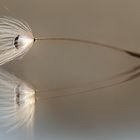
(10, 48)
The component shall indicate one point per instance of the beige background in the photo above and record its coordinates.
(106, 114)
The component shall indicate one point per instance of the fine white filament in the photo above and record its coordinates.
(17, 102)
(10, 29)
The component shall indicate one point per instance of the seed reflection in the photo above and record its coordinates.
(17, 102)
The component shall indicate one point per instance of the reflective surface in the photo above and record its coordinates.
(67, 68)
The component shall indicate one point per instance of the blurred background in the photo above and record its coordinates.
(58, 67)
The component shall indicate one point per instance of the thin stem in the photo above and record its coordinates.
(131, 53)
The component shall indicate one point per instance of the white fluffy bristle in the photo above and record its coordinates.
(16, 39)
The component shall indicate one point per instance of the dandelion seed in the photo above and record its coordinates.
(17, 102)
(16, 38)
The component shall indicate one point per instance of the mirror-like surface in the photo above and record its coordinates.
(106, 114)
